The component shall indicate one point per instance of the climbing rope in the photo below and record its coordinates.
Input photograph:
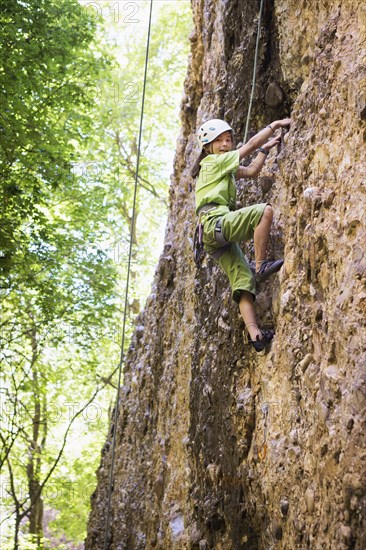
(254, 72)
(110, 486)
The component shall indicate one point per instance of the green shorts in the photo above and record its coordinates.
(237, 226)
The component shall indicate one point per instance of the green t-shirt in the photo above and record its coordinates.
(215, 182)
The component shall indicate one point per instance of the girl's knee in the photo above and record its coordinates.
(268, 212)
(269, 209)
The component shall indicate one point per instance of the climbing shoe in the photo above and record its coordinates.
(261, 344)
(266, 270)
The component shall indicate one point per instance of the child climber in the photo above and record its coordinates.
(217, 167)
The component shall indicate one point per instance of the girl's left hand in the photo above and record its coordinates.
(271, 143)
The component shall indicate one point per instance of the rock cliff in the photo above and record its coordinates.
(217, 447)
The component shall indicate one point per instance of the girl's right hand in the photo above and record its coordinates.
(271, 143)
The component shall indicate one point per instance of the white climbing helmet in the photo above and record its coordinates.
(211, 129)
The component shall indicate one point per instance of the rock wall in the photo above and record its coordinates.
(218, 447)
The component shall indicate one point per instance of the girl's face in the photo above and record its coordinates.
(222, 144)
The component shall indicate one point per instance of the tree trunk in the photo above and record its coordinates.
(35, 451)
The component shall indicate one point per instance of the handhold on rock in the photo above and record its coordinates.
(350, 423)
(159, 486)
(266, 183)
(310, 500)
(304, 363)
(346, 533)
(211, 468)
(195, 535)
(312, 194)
(216, 522)
(223, 326)
(277, 530)
(323, 113)
(274, 95)
(284, 505)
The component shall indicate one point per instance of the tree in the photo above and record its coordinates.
(52, 269)
(48, 79)
(67, 165)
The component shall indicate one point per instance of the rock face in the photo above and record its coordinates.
(216, 446)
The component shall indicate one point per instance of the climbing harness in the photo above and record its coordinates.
(219, 235)
(198, 246)
(220, 239)
(262, 452)
(115, 418)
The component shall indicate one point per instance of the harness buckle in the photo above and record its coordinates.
(219, 235)
(207, 207)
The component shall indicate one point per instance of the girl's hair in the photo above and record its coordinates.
(204, 153)
(197, 165)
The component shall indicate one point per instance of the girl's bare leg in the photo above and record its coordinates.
(261, 236)
(246, 306)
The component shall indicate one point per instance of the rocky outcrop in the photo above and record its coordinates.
(218, 447)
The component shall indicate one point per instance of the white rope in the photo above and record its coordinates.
(254, 72)
(110, 485)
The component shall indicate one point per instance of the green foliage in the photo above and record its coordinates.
(58, 286)
(48, 80)
(68, 152)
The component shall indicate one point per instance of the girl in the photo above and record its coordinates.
(223, 228)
